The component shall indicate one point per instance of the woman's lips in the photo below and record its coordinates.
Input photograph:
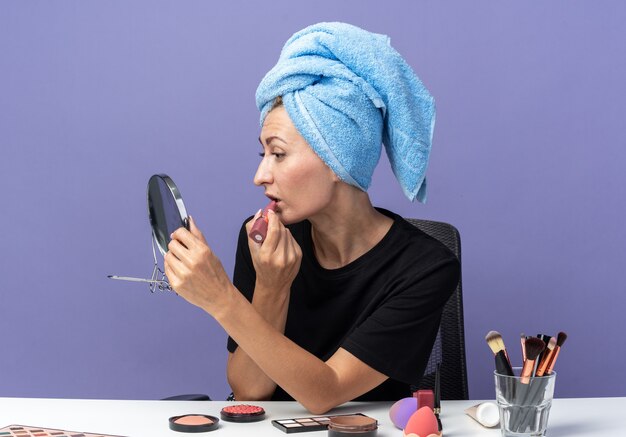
(278, 204)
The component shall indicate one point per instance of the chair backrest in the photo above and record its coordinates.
(449, 348)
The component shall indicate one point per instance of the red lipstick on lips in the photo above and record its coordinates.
(259, 228)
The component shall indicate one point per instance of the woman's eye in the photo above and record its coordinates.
(275, 154)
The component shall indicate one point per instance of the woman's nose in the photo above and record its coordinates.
(263, 174)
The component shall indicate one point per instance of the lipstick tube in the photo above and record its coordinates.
(259, 228)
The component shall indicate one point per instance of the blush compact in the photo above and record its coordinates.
(242, 413)
(193, 423)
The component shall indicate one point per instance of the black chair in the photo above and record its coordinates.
(449, 347)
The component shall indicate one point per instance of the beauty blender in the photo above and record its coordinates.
(401, 411)
(422, 423)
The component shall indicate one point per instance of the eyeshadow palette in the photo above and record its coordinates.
(33, 431)
(305, 424)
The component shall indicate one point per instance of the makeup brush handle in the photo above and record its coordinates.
(506, 354)
(533, 398)
(524, 389)
(502, 364)
(527, 371)
(552, 362)
(518, 415)
(545, 361)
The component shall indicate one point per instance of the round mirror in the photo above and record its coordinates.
(166, 210)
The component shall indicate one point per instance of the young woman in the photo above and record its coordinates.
(342, 301)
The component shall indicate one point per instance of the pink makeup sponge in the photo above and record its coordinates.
(422, 423)
(401, 411)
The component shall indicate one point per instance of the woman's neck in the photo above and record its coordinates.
(347, 229)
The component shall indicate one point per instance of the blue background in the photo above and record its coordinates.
(95, 97)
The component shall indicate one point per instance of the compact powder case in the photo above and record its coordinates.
(242, 413)
(352, 426)
(193, 423)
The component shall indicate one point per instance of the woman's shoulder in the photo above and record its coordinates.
(414, 241)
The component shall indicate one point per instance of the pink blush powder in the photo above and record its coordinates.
(193, 420)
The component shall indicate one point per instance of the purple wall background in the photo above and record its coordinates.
(96, 96)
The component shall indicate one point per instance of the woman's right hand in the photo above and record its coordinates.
(277, 259)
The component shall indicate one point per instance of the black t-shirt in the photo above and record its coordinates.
(384, 307)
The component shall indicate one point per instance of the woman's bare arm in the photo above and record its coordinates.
(198, 276)
(247, 380)
(317, 385)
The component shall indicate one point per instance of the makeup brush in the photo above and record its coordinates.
(523, 342)
(534, 346)
(546, 357)
(495, 342)
(546, 339)
(560, 339)
(535, 393)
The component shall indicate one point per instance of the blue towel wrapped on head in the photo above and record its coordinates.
(348, 91)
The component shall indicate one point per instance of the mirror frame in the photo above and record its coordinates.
(178, 199)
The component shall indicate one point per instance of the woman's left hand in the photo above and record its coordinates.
(193, 270)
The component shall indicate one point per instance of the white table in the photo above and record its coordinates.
(569, 417)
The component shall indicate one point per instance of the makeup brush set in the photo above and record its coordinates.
(539, 354)
(524, 394)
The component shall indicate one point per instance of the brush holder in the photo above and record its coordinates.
(524, 408)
